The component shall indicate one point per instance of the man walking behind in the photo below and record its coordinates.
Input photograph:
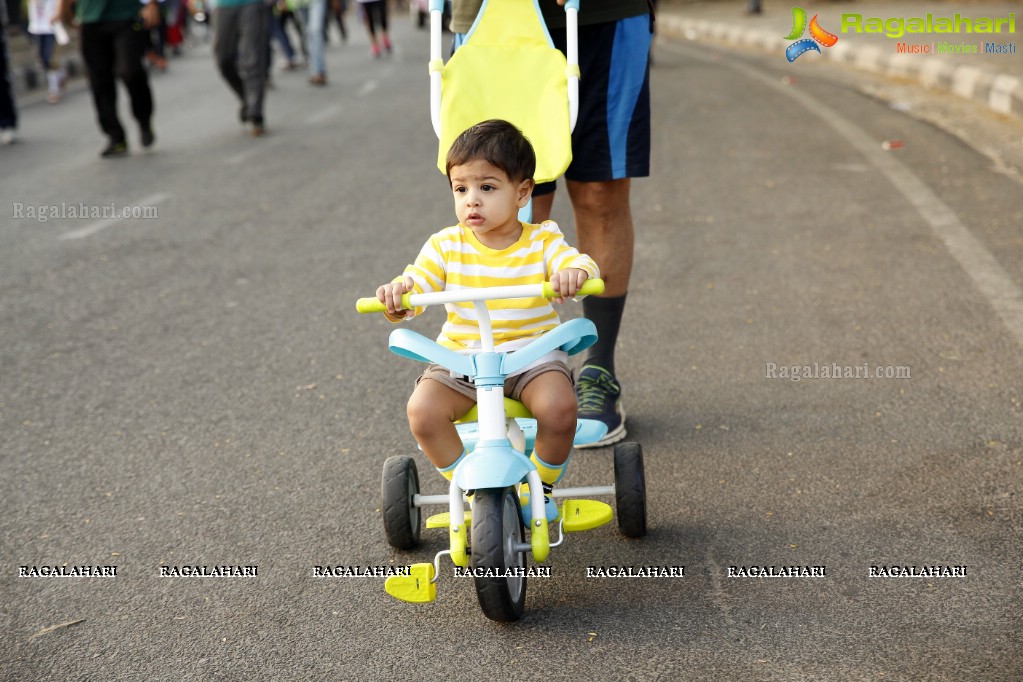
(241, 38)
(113, 34)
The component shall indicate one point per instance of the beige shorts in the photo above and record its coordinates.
(512, 386)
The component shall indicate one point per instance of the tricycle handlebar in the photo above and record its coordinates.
(546, 290)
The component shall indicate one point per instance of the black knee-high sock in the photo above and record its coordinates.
(606, 314)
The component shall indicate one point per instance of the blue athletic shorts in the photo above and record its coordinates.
(611, 139)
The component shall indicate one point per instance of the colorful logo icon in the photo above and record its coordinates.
(817, 35)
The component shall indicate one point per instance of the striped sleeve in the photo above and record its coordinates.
(559, 255)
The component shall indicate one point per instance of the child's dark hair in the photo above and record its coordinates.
(497, 142)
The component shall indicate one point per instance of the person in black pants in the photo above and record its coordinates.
(8, 110)
(241, 46)
(113, 37)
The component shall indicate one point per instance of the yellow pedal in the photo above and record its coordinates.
(417, 587)
(539, 540)
(585, 515)
(443, 520)
(458, 537)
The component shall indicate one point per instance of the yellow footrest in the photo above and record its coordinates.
(585, 515)
(417, 587)
(443, 520)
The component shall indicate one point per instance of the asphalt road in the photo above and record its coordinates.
(196, 389)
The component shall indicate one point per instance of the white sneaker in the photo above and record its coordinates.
(53, 83)
(9, 135)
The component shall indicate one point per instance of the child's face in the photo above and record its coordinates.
(487, 202)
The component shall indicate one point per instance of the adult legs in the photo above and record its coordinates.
(314, 33)
(100, 57)
(375, 13)
(253, 36)
(282, 38)
(611, 144)
(45, 42)
(8, 110)
(603, 218)
(381, 9)
(286, 17)
(604, 228)
(158, 41)
(225, 47)
(239, 47)
(338, 8)
(368, 20)
(128, 53)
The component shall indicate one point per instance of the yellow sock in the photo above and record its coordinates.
(448, 472)
(549, 473)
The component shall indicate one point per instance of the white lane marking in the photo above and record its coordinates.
(99, 225)
(244, 156)
(993, 282)
(366, 88)
(259, 145)
(324, 115)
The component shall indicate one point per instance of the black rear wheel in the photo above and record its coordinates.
(498, 568)
(630, 490)
(401, 516)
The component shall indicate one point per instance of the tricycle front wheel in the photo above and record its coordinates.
(401, 516)
(499, 570)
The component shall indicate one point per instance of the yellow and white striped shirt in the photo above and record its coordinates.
(455, 259)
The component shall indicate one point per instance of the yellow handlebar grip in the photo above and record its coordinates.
(589, 288)
(369, 305)
(373, 305)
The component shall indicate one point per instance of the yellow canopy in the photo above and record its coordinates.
(508, 68)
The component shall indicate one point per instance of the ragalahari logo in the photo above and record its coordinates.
(817, 35)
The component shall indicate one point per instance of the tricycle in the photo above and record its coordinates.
(507, 523)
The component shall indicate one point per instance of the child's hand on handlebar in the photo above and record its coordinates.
(567, 282)
(390, 295)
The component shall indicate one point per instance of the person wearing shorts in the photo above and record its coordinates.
(610, 145)
(490, 168)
